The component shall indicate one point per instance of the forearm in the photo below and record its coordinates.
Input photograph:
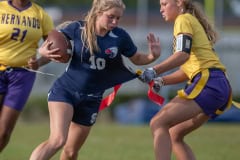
(171, 62)
(42, 61)
(143, 58)
(174, 78)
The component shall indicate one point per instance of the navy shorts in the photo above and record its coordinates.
(16, 85)
(86, 106)
(215, 94)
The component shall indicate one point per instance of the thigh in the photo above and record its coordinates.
(176, 111)
(8, 118)
(188, 126)
(60, 118)
(1, 101)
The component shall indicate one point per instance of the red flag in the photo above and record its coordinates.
(154, 96)
(109, 99)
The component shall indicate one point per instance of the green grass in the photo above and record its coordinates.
(109, 141)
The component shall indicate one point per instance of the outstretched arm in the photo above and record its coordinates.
(154, 52)
(181, 55)
(174, 61)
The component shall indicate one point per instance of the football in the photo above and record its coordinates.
(60, 41)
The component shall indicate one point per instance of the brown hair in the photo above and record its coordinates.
(195, 9)
(89, 37)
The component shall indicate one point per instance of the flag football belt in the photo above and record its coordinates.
(107, 101)
(199, 87)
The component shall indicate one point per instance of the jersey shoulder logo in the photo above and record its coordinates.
(112, 52)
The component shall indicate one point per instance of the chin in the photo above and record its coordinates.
(167, 19)
(111, 28)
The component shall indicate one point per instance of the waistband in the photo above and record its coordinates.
(210, 70)
(5, 68)
(215, 69)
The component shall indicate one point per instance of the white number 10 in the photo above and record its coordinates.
(97, 63)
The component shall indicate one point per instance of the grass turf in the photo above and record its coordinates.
(110, 141)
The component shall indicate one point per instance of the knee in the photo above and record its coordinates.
(57, 143)
(156, 126)
(158, 122)
(153, 124)
(176, 136)
(70, 153)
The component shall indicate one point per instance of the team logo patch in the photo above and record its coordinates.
(111, 52)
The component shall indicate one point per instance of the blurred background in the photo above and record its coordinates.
(132, 105)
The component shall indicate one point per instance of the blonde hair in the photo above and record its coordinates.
(89, 36)
(195, 9)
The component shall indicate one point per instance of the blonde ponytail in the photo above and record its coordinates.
(195, 9)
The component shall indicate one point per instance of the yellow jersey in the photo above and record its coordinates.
(20, 32)
(202, 54)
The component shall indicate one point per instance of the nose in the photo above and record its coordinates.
(160, 10)
(114, 21)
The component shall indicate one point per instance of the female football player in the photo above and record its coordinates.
(207, 93)
(23, 23)
(96, 65)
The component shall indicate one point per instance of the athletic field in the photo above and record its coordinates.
(110, 141)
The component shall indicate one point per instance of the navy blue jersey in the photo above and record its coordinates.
(95, 73)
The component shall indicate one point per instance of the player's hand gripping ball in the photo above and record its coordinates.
(60, 41)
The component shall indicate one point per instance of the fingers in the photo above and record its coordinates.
(154, 45)
(46, 43)
(55, 60)
(50, 56)
(45, 50)
(152, 39)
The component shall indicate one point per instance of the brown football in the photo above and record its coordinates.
(60, 41)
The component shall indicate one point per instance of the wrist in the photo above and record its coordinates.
(42, 61)
(151, 69)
